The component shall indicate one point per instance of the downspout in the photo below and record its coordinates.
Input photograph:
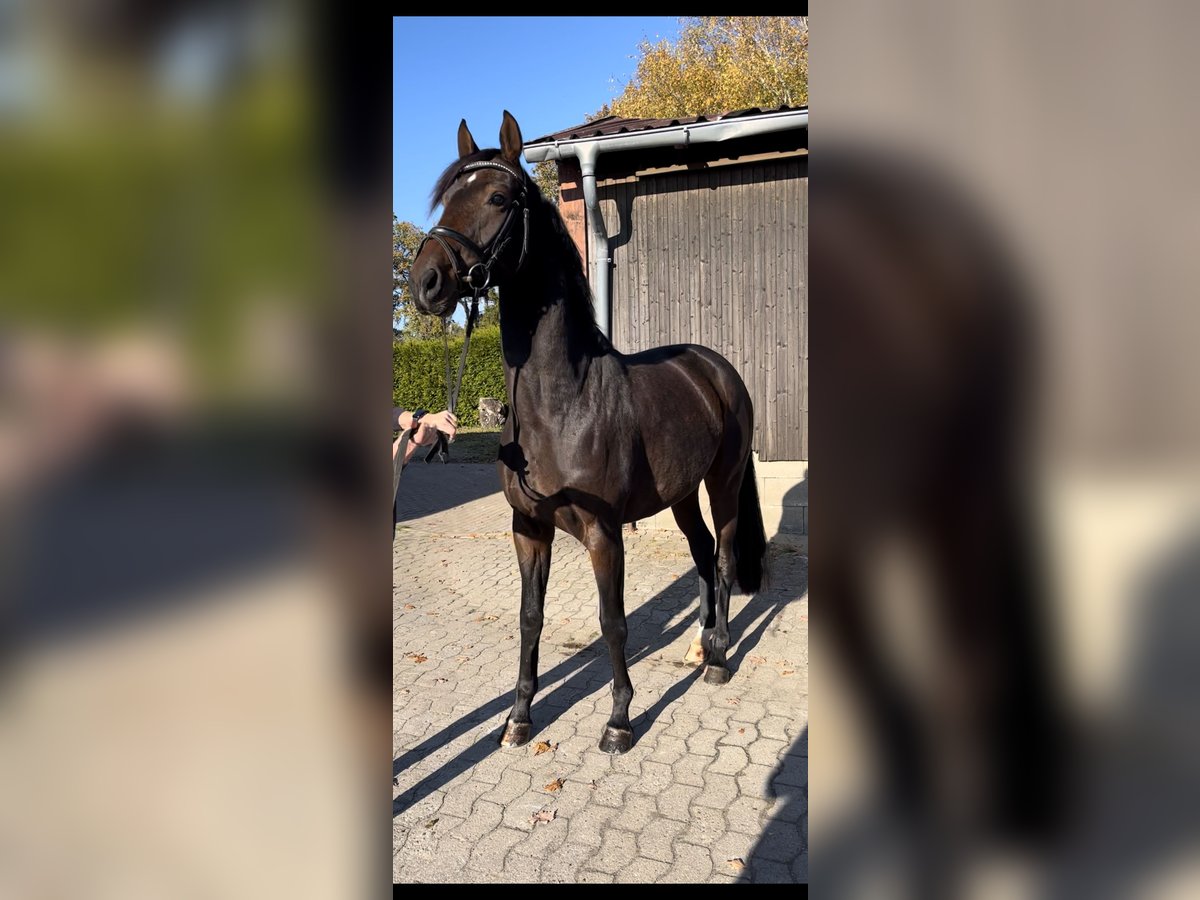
(601, 259)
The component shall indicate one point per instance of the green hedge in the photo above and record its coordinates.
(419, 373)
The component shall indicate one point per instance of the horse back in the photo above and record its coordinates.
(692, 408)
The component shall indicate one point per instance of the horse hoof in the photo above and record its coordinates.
(616, 740)
(716, 675)
(516, 734)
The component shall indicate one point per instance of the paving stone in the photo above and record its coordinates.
(544, 838)
(675, 802)
(780, 841)
(589, 828)
(745, 814)
(522, 869)
(766, 752)
(512, 785)
(643, 871)
(755, 781)
(490, 850)
(483, 819)
(730, 761)
(617, 851)
(705, 825)
(654, 778)
(718, 792)
(692, 864)
(765, 871)
(690, 770)
(654, 840)
(704, 742)
(740, 735)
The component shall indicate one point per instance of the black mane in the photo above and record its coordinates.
(579, 293)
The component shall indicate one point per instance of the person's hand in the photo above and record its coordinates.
(431, 423)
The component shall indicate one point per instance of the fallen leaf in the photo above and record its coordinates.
(431, 823)
(543, 815)
(733, 701)
(543, 747)
(741, 731)
(409, 606)
(555, 785)
(757, 659)
(416, 657)
(736, 864)
(788, 672)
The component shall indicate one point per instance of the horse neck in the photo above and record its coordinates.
(547, 331)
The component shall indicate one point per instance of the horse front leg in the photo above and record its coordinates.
(607, 550)
(533, 540)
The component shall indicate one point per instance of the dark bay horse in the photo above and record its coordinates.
(596, 437)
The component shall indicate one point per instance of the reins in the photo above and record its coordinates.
(442, 448)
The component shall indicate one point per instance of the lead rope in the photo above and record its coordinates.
(442, 448)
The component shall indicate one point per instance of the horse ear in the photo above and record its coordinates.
(466, 143)
(510, 139)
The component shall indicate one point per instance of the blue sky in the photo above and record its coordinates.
(548, 72)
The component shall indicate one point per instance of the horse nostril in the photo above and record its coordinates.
(429, 283)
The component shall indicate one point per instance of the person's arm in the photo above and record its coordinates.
(408, 451)
(401, 418)
(427, 430)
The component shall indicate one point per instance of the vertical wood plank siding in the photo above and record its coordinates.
(720, 258)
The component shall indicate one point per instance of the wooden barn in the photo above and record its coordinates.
(695, 230)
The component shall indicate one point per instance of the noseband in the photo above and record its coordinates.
(478, 277)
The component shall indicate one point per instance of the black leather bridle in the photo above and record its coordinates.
(478, 277)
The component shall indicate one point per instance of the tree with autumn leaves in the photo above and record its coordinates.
(719, 64)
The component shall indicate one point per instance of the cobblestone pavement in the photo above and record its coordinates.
(715, 787)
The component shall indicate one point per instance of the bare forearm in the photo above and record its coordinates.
(401, 418)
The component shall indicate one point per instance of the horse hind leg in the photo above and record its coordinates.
(703, 549)
(723, 492)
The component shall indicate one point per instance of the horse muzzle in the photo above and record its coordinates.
(434, 291)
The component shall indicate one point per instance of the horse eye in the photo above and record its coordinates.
(497, 200)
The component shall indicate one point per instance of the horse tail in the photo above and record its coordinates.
(750, 540)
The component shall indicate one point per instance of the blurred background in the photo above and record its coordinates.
(1004, 533)
(196, 638)
(1005, 211)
